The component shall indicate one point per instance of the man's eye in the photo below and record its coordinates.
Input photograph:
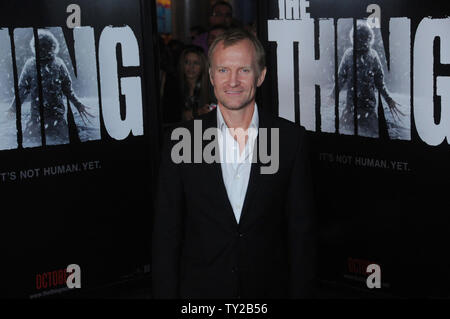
(246, 70)
(222, 70)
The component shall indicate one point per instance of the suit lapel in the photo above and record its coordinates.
(215, 177)
(247, 216)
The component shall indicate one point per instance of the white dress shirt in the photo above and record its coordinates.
(235, 166)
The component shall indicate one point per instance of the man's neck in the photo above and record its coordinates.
(238, 118)
(238, 122)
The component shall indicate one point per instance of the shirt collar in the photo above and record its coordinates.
(253, 124)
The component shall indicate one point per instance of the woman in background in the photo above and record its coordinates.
(194, 83)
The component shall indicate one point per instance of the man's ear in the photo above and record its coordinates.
(261, 77)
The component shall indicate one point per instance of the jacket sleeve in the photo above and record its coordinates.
(301, 225)
(167, 227)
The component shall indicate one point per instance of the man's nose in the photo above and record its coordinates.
(234, 79)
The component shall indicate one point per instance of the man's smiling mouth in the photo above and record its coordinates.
(233, 92)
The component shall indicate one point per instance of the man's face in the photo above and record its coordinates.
(234, 75)
(221, 15)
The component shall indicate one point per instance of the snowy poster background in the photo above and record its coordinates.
(381, 187)
(396, 85)
(77, 189)
(84, 86)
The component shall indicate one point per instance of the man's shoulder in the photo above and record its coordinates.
(208, 120)
(284, 123)
(285, 126)
(291, 138)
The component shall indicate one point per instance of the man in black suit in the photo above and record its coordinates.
(230, 229)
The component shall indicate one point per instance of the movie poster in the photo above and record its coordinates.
(78, 142)
(369, 80)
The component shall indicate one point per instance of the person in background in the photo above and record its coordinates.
(214, 32)
(251, 27)
(193, 83)
(195, 31)
(221, 14)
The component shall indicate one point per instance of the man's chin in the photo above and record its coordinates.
(235, 107)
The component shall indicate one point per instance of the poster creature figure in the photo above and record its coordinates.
(56, 84)
(370, 77)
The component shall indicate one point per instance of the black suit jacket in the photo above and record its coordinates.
(198, 248)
